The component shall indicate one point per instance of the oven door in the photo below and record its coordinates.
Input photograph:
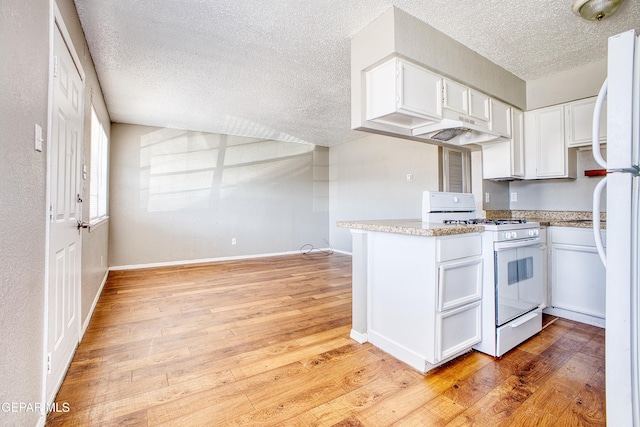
(517, 278)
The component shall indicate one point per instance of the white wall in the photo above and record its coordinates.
(181, 196)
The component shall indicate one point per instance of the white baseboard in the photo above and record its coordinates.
(358, 336)
(576, 317)
(342, 252)
(207, 260)
(85, 325)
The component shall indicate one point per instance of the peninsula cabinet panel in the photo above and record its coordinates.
(420, 310)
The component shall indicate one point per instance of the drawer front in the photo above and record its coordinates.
(456, 247)
(459, 283)
(457, 330)
(513, 333)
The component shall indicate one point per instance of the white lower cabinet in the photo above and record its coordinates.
(577, 277)
(423, 304)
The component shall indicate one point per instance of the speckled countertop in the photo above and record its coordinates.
(578, 219)
(412, 227)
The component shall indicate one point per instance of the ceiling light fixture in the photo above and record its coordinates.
(595, 10)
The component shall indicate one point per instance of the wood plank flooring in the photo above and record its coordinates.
(266, 342)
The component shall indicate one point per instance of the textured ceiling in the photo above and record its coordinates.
(280, 69)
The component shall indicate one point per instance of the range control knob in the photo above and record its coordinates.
(507, 235)
(532, 232)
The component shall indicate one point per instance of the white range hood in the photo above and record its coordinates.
(457, 132)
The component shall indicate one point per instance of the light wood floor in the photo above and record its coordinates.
(266, 342)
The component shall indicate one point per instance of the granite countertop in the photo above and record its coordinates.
(412, 227)
(577, 219)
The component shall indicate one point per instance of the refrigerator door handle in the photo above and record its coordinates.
(595, 134)
(597, 195)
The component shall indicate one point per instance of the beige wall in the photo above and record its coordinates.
(397, 32)
(368, 180)
(182, 196)
(25, 34)
(562, 194)
(23, 90)
(565, 86)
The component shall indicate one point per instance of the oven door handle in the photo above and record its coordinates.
(502, 246)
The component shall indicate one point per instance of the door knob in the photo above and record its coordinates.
(82, 224)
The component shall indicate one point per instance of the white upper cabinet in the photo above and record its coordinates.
(505, 159)
(460, 100)
(547, 153)
(579, 118)
(479, 106)
(400, 93)
(500, 118)
(456, 97)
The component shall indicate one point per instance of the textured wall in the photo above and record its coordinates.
(180, 195)
(24, 49)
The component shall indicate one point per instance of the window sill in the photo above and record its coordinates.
(98, 222)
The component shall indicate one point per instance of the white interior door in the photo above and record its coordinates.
(64, 213)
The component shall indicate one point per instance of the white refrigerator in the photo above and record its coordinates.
(622, 90)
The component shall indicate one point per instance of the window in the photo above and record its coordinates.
(455, 170)
(99, 175)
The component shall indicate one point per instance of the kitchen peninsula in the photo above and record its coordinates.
(417, 288)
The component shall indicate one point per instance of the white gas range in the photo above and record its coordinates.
(512, 286)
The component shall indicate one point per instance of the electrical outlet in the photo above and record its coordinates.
(409, 177)
(514, 197)
(233, 241)
(487, 197)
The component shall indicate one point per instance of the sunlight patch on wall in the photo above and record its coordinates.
(187, 170)
(177, 169)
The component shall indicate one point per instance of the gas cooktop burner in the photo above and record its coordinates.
(485, 221)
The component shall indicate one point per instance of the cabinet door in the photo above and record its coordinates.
(579, 119)
(577, 279)
(457, 330)
(551, 149)
(459, 283)
(517, 143)
(400, 93)
(456, 97)
(420, 91)
(500, 118)
(479, 106)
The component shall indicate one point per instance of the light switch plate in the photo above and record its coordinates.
(38, 138)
